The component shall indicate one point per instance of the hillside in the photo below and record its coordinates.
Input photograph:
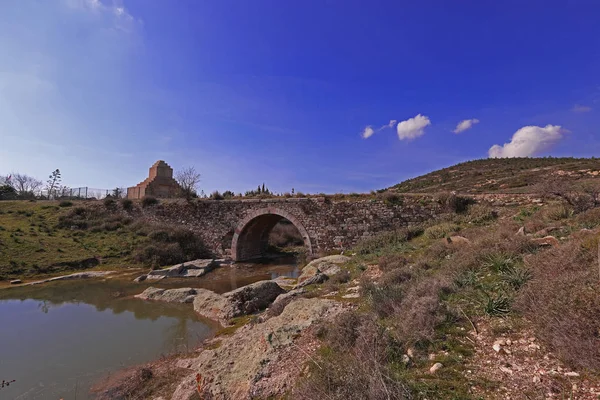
(503, 175)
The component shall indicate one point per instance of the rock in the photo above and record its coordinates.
(506, 370)
(536, 379)
(456, 241)
(140, 278)
(248, 363)
(327, 265)
(411, 352)
(435, 367)
(194, 268)
(285, 281)
(318, 278)
(572, 374)
(77, 275)
(546, 241)
(211, 305)
(497, 347)
(351, 296)
(182, 295)
(521, 231)
(289, 296)
(252, 298)
(16, 281)
(405, 359)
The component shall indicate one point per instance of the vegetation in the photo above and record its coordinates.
(432, 295)
(507, 175)
(43, 238)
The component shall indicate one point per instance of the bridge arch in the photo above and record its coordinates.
(251, 236)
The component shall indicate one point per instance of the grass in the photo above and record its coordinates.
(42, 238)
(430, 295)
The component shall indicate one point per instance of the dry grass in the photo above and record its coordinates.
(562, 302)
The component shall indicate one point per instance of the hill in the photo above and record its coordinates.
(503, 175)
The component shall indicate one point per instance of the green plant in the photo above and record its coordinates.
(65, 203)
(499, 262)
(441, 230)
(496, 305)
(516, 277)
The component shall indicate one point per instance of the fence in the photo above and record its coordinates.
(83, 193)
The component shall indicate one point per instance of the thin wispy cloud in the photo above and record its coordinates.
(114, 9)
(578, 108)
(528, 141)
(369, 131)
(465, 125)
(413, 128)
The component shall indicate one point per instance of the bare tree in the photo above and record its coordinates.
(188, 179)
(24, 184)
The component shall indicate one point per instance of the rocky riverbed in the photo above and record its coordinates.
(260, 352)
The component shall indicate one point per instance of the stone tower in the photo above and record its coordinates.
(160, 183)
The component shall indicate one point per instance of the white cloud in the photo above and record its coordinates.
(412, 128)
(578, 108)
(465, 124)
(122, 20)
(390, 125)
(367, 132)
(528, 141)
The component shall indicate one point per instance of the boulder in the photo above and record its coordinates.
(326, 265)
(182, 295)
(318, 278)
(141, 278)
(211, 305)
(456, 241)
(252, 298)
(194, 268)
(289, 296)
(546, 241)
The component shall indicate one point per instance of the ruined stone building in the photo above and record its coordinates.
(160, 183)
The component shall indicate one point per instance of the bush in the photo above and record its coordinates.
(149, 201)
(216, 195)
(65, 203)
(561, 300)
(127, 204)
(171, 246)
(387, 240)
(110, 203)
(441, 231)
(390, 198)
(454, 203)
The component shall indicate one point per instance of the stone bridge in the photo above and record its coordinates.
(241, 227)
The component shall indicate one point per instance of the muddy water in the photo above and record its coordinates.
(56, 339)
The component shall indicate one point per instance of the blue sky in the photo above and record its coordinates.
(282, 92)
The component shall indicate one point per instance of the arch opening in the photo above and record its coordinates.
(255, 236)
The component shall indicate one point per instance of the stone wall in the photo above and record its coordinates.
(326, 224)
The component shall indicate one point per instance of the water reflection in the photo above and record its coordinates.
(58, 338)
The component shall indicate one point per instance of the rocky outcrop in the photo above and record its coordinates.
(242, 301)
(327, 266)
(251, 298)
(78, 275)
(188, 269)
(257, 360)
(211, 305)
(182, 295)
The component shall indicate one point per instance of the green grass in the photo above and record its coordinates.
(33, 245)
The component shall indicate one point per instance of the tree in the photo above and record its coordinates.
(118, 192)
(188, 179)
(53, 183)
(7, 192)
(25, 185)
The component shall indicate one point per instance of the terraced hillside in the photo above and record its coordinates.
(504, 175)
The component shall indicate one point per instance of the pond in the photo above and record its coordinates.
(57, 339)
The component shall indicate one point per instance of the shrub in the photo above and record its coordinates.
(454, 203)
(127, 204)
(216, 195)
(110, 203)
(391, 262)
(496, 305)
(341, 277)
(387, 240)
(65, 203)
(170, 245)
(481, 214)
(390, 198)
(561, 300)
(149, 201)
(441, 230)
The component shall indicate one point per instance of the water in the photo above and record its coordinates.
(57, 339)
